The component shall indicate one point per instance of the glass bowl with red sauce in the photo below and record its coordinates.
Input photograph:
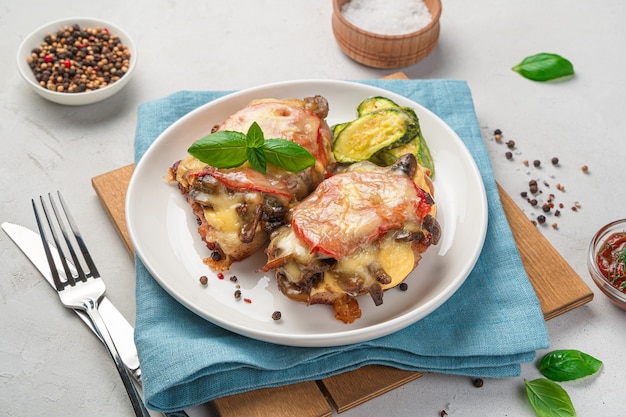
(607, 261)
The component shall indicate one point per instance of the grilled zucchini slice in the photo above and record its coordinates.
(417, 147)
(380, 129)
(335, 129)
(375, 103)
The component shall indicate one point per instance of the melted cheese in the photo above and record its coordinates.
(289, 243)
(187, 165)
(223, 219)
(394, 256)
(397, 259)
(353, 209)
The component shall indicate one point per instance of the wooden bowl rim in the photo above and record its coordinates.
(433, 22)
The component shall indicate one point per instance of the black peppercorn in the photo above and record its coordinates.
(478, 382)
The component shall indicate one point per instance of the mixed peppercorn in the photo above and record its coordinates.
(77, 60)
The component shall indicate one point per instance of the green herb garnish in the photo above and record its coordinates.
(619, 270)
(544, 67)
(568, 364)
(549, 399)
(230, 149)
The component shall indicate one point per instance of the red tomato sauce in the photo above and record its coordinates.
(611, 260)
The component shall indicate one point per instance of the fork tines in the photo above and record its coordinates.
(58, 220)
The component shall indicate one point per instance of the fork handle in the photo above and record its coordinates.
(135, 399)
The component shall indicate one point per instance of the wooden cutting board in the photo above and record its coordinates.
(314, 399)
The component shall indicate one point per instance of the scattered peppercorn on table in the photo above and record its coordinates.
(554, 146)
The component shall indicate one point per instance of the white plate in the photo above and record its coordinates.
(163, 231)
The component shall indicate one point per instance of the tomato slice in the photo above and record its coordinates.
(279, 119)
(353, 209)
(247, 179)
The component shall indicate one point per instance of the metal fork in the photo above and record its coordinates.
(82, 289)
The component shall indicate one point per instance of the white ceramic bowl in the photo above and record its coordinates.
(34, 40)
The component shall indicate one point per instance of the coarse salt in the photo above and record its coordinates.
(387, 17)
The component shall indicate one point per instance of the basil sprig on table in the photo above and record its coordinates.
(549, 399)
(544, 67)
(568, 364)
(230, 149)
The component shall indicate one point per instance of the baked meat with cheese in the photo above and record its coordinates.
(362, 231)
(237, 208)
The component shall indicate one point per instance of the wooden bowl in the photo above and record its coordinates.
(386, 51)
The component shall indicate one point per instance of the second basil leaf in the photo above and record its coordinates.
(255, 137)
(568, 364)
(288, 155)
(256, 159)
(549, 399)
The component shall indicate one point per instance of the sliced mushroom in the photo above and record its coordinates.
(406, 164)
(379, 273)
(376, 292)
(433, 227)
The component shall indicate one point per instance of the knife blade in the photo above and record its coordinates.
(120, 329)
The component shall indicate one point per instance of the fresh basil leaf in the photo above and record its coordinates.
(549, 399)
(568, 364)
(224, 149)
(254, 137)
(288, 155)
(256, 159)
(544, 67)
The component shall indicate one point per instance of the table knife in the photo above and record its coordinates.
(121, 331)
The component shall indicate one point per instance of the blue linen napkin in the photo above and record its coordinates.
(491, 325)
